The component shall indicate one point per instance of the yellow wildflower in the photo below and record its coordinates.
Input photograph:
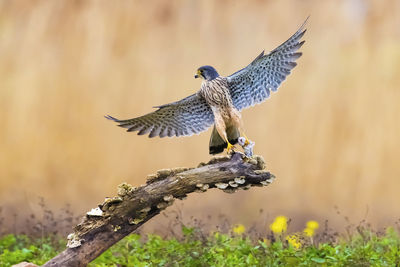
(308, 232)
(279, 226)
(294, 241)
(239, 229)
(312, 225)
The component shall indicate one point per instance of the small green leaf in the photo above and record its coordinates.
(318, 260)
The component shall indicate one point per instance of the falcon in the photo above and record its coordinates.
(220, 99)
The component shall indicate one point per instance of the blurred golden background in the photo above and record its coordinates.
(331, 135)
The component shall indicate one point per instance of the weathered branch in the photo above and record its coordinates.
(119, 216)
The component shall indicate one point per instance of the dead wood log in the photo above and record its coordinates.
(119, 216)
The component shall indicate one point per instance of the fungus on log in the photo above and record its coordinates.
(119, 216)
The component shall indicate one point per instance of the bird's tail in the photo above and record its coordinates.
(217, 143)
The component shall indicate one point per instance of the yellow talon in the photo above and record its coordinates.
(246, 142)
(230, 147)
(247, 139)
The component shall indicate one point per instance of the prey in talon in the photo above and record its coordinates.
(247, 146)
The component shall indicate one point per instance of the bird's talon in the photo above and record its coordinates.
(246, 142)
(247, 146)
(230, 148)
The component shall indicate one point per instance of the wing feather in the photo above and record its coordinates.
(188, 116)
(253, 84)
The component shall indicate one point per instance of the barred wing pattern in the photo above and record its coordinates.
(253, 84)
(186, 117)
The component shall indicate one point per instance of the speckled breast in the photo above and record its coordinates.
(216, 92)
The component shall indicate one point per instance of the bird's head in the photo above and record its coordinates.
(207, 73)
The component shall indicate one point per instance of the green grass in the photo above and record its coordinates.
(362, 248)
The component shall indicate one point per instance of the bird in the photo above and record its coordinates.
(247, 146)
(220, 99)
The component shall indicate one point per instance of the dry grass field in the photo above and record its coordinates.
(331, 134)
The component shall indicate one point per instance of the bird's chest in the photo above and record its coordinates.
(216, 93)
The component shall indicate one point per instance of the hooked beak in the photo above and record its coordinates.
(198, 74)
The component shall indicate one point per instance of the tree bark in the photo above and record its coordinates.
(119, 216)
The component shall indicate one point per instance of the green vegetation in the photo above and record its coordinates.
(362, 248)
(15, 249)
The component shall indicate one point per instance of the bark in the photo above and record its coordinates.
(119, 216)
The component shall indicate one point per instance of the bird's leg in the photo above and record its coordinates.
(229, 147)
(244, 135)
(221, 129)
(237, 121)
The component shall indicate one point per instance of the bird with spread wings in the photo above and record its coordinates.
(220, 99)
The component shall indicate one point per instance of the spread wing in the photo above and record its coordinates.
(185, 117)
(253, 84)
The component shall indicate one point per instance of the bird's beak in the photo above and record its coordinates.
(196, 76)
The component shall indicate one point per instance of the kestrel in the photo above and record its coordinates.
(220, 99)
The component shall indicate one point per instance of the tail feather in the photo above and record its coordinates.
(217, 143)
